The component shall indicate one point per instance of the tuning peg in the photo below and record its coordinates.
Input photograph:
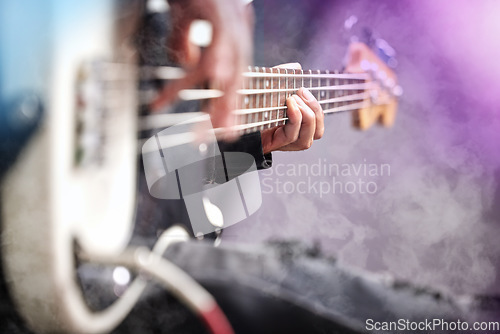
(365, 65)
(389, 83)
(350, 22)
(397, 91)
(386, 52)
(353, 32)
(381, 76)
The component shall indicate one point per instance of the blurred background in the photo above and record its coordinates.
(435, 220)
(419, 201)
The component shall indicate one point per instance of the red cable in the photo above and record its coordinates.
(216, 321)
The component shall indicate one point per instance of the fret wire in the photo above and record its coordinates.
(257, 96)
(252, 101)
(239, 104)
(336, 93)
(282, 95)
(279, 97)
(286, 96)
(270, 85)
(250, 86)
(298, 81)
(266, 99)
(291, 88)
(291, 83)
(255, 101)
(247, 99)
(318, 84)
(310, 80)
(328, 91)
(330, 82)
(302, 77)
(271, 98)
(359, 91)
(343, 92)
(322, 91)
(265, 116)
(278, 94)
(263, 99)
(286, 84)
(244, 119)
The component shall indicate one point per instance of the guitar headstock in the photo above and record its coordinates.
(381, 102)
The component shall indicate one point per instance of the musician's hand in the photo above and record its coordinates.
(305, 123)
(222, 62)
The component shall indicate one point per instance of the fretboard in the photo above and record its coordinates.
(265, 90)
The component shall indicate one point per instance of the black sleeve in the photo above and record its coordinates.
(249, 143)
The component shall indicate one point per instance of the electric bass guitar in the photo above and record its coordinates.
(69, 142)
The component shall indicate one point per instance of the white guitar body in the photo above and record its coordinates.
(52, 200)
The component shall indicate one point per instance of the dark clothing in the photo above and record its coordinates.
(250, 143)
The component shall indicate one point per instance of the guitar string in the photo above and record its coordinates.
(316, 88)
(146, 97)
(345, 98)
(114, 71)
(172, 73)
(352, 76)
(164, 120)
(178, 139)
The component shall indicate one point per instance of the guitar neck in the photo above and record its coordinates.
(265, 90)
